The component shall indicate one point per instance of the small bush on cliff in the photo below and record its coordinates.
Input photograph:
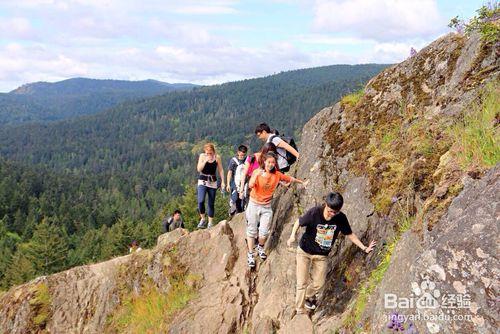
(486, 22)
(352, 99)
(40, 304)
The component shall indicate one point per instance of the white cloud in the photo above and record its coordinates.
(20, 64)
(16, 27)
(394, 52)
(382, 20)
(207, 64)
(205, 10)
(324, 39)
(157, 39)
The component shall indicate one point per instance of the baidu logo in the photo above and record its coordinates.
(424, 296)
(426, 293)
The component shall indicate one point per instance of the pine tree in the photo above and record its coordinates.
(48, 248)
(8, 241)
(189, 207)
(20, 268)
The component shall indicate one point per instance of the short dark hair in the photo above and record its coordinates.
(334, 201)
(177, 211)
(271, 155)
(266, 148)
(262, 127)
(242, 148)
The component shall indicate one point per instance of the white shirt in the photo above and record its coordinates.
(282, 163)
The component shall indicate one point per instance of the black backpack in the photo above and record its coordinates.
(290, 158)
(166, 223)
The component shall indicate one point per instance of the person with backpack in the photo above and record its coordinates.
(173, 222)
(234, 170)
(208, 163)
(323, 224)
(252, 162)
(134, 247)
(287, 153)
(259, 213)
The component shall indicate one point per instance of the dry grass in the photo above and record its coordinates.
(477, 134)
(151, 311)
(352, 99)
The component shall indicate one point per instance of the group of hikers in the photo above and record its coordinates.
(251, 181)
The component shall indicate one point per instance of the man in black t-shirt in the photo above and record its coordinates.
(323, 224)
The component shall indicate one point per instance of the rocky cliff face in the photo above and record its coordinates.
(391, 155)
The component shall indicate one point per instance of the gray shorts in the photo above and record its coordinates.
(258, 219)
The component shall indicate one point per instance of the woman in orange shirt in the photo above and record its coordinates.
(259, 213)
(253, 162)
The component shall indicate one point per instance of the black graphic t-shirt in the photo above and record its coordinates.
(320, 233)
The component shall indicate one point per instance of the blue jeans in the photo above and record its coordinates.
(202, 192)
(235, 198)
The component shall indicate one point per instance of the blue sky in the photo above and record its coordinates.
(209, 42)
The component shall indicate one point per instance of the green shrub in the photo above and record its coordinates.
(486, 22)
(352, 99)
(40, 304)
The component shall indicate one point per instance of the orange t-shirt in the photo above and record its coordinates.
(263, 189)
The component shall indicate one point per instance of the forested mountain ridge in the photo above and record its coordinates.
(44, 101)
(77, 86)
(224, 113)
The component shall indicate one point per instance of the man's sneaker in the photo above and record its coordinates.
(210, 225)
(261, 252)
(250, 260)
(310, 304)
(202, 223)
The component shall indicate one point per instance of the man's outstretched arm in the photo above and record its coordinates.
(355, 240)
(291, 240)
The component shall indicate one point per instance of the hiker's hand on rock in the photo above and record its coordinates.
(370, 247)
(290, 241)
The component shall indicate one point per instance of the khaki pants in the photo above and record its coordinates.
(318, 264)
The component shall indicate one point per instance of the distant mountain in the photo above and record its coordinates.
(149, 139)
(44, 101)
(80, 86)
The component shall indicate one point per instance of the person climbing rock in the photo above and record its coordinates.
(264, 133)
(234, 172)
(323, 223)
(207, 166)
(253, 162)
(259, 212)
(173, 222)
(134, 247)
